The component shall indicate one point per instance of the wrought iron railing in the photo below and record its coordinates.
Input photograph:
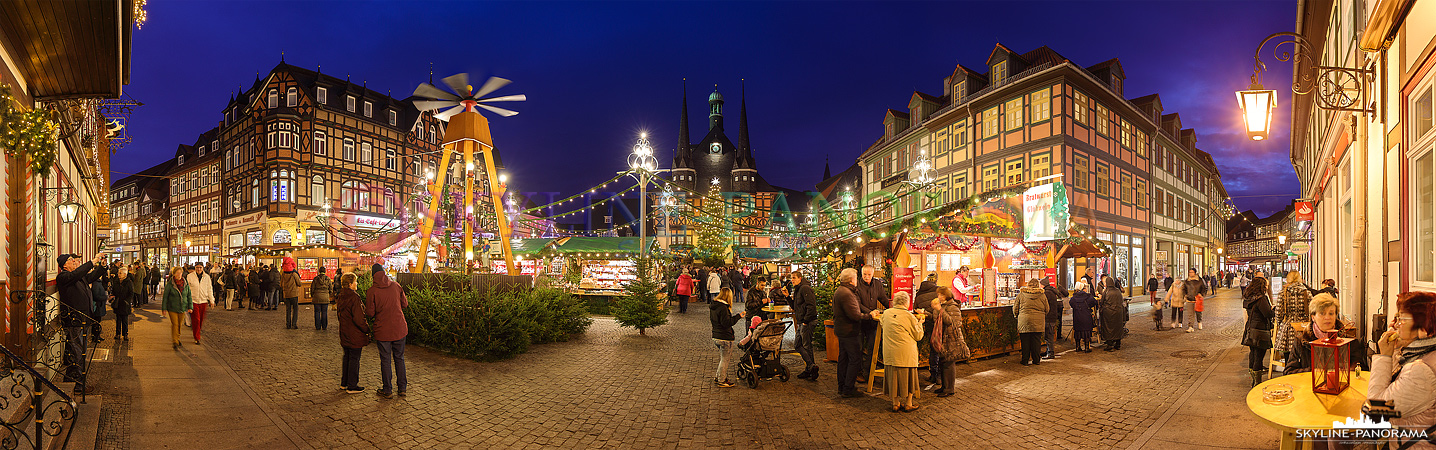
(45, 356)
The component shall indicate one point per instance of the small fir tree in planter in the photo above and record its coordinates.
(639, 307)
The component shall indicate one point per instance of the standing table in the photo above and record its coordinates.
(1307, 410)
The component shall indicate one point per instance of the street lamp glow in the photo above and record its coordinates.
(1257, 104)
(503, 178)
(1281, 239)
(125, 227)
(187, 243)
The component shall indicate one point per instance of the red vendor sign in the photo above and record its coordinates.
(902, 282)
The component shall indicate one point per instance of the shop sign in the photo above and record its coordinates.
(1044, 213)
(374, 222)
(247, 219)
(902, 282)
(1304, 212)
(308, 268)
(1299, 248)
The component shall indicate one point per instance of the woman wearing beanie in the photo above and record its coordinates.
(289, 283)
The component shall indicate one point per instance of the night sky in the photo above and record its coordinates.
(819, 74)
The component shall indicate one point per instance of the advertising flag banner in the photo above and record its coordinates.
(1044, 213)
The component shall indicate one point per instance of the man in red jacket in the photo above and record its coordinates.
(384, 304)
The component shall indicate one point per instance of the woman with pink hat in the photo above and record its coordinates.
(289, 284)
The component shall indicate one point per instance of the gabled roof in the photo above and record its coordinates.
(407, 115)
(926, 97)
(1112, 65)
(1042, 55)
(998, 50)
(898, 114)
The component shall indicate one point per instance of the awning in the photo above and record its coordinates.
(533, 246)
(608, 245)
(69, 49)
(385, 242)
(1083, 249)
(764, 254)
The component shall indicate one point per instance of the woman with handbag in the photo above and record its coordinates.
(948, 344)
(1256, 299)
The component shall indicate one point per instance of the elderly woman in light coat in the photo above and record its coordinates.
(1031, 310)
(901, 331)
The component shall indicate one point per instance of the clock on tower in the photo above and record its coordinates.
(716, 148)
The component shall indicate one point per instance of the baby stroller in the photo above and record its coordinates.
(762, 354)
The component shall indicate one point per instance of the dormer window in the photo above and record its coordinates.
(321, 95)
(349, 103)
(959, 89)
(273, 96)
(368, 109)
(179, 161)
(393, 118)
(291, 97)
(999, 72)
(201, 152)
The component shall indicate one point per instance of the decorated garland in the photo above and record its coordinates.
(29, 134)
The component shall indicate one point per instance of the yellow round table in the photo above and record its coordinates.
(1307, 410)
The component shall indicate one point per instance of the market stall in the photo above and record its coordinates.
(309, 258)
(605, 264)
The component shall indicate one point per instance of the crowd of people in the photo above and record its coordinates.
(186, 294)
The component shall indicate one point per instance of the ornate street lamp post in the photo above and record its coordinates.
(641, 165)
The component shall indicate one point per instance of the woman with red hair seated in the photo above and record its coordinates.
(1404, 372)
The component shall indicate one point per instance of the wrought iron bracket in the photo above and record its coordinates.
(1336, 88)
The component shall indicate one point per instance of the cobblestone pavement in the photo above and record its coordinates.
(611, 388)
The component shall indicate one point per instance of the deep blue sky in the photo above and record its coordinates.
(819, 74)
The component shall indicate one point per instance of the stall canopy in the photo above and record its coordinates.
(386, 243)
(1082, 249)
(764, 254)
(599, 245)
(533, 246)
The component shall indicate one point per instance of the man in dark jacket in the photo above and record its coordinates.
(923, 300)
(872, 296)
(701, 284)
(925, 293)
(99, 296)
(848, 321)
(1192, 287)
(1053, 329)
(384, 304)
(73, 286)
(736, 280)
(805, 315)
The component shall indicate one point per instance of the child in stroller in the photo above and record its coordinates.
(762, 353)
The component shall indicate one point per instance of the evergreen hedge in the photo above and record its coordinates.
(492, 325)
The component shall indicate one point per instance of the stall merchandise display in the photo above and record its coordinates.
(606, 275)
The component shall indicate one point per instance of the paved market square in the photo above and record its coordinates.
(254, 384)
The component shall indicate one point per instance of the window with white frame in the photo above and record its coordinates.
(348, 149)
(391, 159)
(281, 186)
(393, 118)
(291, 97)
(321, 143)
(366, 153)
(349, 103)
(368, 108)
(273, 98)
(316, 191)
(1423, 184)
(201, 152)
(321, 95)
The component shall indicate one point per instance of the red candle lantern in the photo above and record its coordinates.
(1330, 365)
